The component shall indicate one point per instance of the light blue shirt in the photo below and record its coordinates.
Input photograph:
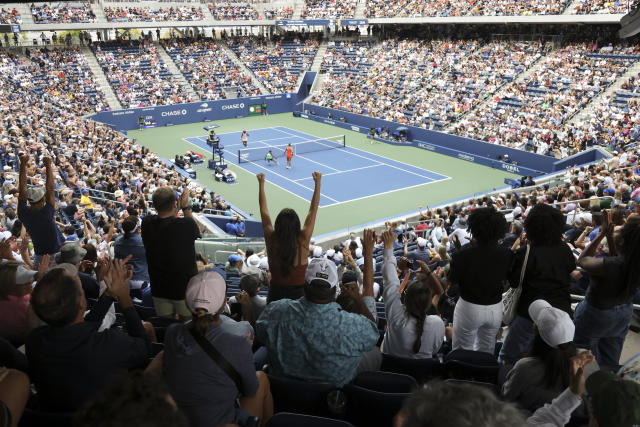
(315, 342)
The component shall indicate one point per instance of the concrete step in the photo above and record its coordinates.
(572, 6)
(25, 12)
(243, 67)
(101, 79)
(360, 9)
(99, 12)
(317, 60)
(297, 9)
(176, 71)
(585, 112)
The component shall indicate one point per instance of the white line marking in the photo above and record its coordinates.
(344, 171)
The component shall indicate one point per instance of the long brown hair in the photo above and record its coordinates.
(285, 240)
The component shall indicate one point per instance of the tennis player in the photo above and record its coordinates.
(270, 158)
(289, 153)
(245, 137)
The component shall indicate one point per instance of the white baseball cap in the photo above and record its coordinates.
(554, 325)
(358, 253)
(264, 263)
(317, 252)
(253, 261)
(322, 269)
(24, 275)
(338, 257)
(422, 242)
(330, 253)
(206, 290)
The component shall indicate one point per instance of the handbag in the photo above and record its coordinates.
(511, 297)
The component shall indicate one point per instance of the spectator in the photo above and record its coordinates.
(69, 353)
(234, 265)
(202, 387)
(131, 244)
(603, 318)
(339, 338)
(15, 293)
(250, 284)
(547, 276)
(171, 257)
(478, 313)
(14, 393)
(38, 217)
(421, 253)
(137, 398)
(413, 328)
(287, 244)
(545, 373)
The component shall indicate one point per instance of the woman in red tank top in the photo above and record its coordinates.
(287, 244)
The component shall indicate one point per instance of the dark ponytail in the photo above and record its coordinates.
(202, 320)
(285, 240)
(417, 302)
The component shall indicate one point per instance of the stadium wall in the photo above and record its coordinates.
(522, 162)
(202, 111)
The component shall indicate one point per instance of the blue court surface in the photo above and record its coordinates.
(347, 173)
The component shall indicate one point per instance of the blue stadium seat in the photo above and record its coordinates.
(300, 397)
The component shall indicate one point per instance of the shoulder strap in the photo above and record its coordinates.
(217, 357)
(524, 264)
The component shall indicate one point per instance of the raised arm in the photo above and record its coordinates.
(367, 251)
(310, 222)
(434, 284)
(49, 184)
(22, 180)
(587, 259)
(267, 227)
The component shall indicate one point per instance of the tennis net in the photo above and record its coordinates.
(258, 153)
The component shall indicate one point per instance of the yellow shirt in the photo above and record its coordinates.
(86, 202)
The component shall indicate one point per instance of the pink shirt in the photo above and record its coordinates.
(13, 318)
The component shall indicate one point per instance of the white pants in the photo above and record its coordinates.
(475, 326)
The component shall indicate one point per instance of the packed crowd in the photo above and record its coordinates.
(284, 12)
(62, 14)
(138, 75)
(437, 81)
(415, 8)
(525, 8)
(10, 16)
(209, 69)
(585, 7)
(60, 76)
(323, 9)
(531, 114)
(147, 14)
(233, 12)
(424, 292)
(277, 65)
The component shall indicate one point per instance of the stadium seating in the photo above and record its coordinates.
(62, 14)
(233, 11)
(322, 9)
(147, 14)
(138, 76)
(277, 66)
(209, 69)
(10, 16)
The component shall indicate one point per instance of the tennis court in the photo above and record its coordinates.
(348, 173)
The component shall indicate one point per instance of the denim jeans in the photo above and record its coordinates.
(602, 331)
(475, 326)
(518, 342)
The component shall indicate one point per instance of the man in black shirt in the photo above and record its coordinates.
(69, 359)
(171, 255)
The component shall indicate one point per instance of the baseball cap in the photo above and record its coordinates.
(24, 275)
(317, 252)
(610, 191)
(35, 194)
(330, 253)
(70, 253)
(554, 325)
(5, 235)
(322, 269)
(358, 253)
(234, 258)
(264, 263)
(422, 242)
(615, 401)
(349, 276)
(85, 191)
(207, 291)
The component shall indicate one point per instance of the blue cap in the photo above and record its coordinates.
(609, 191)
(234, 258)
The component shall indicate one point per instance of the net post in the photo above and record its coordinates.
(238, 156)
(344, 141)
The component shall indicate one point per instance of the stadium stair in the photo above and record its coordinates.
(99, 12)
(360, 8)
(171, 66)
(101, 79)
(572, 6)
(317, 60)
(243, 67)
(503, 90)
(297, 9)
(632, 71)
(25, 12)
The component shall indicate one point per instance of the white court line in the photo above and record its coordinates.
(269, 170)
(344, 171)
(395, 167)
(387, 192)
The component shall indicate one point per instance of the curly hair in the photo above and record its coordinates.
(487, 225)
(544, 225)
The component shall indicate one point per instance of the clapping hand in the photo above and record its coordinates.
(576, 373)
(117, 280)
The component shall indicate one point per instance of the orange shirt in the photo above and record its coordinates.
(289, 152)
